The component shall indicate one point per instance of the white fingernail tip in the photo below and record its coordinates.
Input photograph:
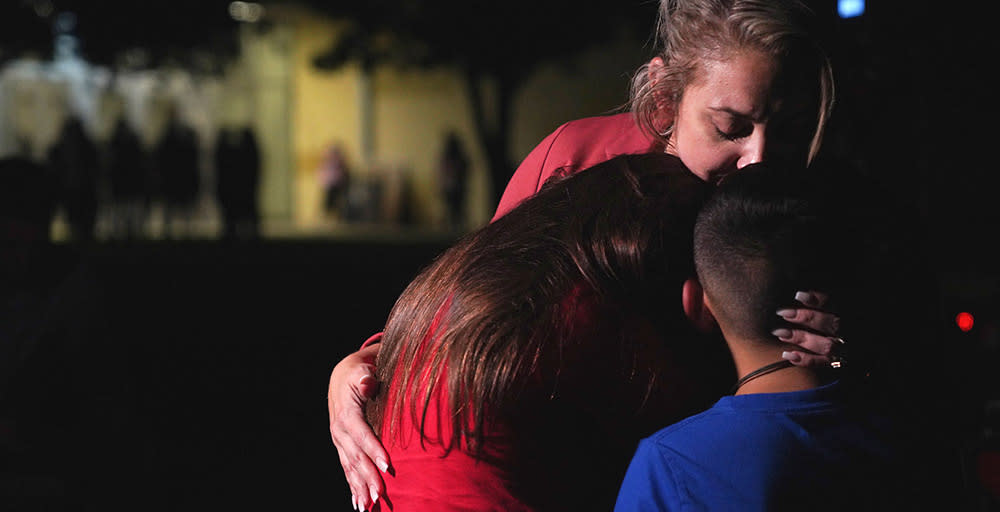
(801, 297)
(382, 466)
(791, 357)
(374, 493)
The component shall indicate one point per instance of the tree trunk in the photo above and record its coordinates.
(492, 113)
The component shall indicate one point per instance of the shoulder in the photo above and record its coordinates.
(650, 482)
(572, 147)
(693, 429)
(586, 142)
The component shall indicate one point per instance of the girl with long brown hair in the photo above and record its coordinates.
(524, 364)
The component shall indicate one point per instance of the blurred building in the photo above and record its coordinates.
(390, 122)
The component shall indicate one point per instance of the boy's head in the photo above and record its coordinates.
(766, 233)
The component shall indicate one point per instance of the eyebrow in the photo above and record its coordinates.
(736, 113)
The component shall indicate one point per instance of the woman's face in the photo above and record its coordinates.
(741, 111)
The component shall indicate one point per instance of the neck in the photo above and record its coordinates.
(783, 380)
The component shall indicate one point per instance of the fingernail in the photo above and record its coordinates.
(786, 313)
(382, 465)
(374, 493)
(365, 378)
(782, 334)
(802, 297)
(354, 501)
(792, 357)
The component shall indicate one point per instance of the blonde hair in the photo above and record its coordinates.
(693, 31)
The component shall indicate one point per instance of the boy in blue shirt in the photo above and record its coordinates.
(788, 438)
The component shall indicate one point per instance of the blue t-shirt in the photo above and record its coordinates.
(802, 450)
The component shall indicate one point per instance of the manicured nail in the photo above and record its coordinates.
(791, 357)
(374, 493)
(786, 313)
(802, 297)
(354, 501)
(782, 334)
(382, 465)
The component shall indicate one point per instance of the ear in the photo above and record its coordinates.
(664, 104)
(696, 307)
(655, 62)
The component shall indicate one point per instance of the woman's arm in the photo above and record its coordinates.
(352, 383)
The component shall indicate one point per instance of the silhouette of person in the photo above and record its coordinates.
(75, 164)
(176, 161)
(334, 176)
(125, 171)
(237, 167)
(454, 171)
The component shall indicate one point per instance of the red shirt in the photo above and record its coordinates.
(575, 146)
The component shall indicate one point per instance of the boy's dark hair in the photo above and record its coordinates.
(768, 232)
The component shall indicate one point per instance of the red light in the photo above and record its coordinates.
(964, 321)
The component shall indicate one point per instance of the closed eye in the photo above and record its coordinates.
(739, 134)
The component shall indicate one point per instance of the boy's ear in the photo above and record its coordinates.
(696, 307)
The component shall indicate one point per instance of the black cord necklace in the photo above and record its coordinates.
(764, 370)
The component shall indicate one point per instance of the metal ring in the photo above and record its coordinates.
(836, 362)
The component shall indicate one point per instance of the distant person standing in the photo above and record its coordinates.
(126, 166)
(75, 164)
(453, 176)
(335, 177)
(176, 160)
(237, 167)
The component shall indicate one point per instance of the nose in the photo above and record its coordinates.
(754, 149)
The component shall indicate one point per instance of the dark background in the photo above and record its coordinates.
(195, 374)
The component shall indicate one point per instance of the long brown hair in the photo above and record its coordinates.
(597, 257)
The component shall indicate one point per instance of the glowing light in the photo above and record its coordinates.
(43, 8)
(850, 8)
(965, 321)
(249, 12)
